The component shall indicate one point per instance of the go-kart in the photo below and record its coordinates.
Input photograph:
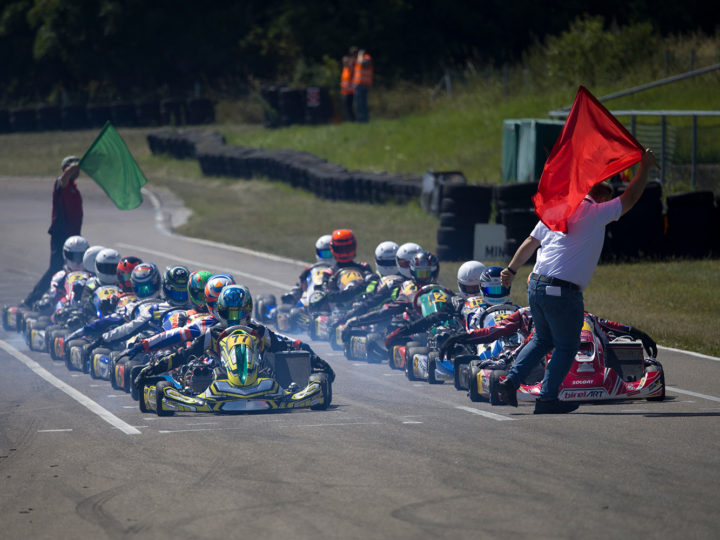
(240, 386)
(603, 370)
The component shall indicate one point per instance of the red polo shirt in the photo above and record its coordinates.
(67, 210)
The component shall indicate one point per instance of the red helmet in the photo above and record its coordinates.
(124, 271)
(343, 245)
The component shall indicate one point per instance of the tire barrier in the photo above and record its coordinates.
(285, 106)
(299, 169)
(461, 207)
(692, 224)
(639, 233)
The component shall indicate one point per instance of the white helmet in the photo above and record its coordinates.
(468, 278)
(385, 262)
(89, 258)
(404, 255)
(74, 249)
(106, 264)
(322, 249)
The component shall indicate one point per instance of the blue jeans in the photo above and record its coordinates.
(558, 321)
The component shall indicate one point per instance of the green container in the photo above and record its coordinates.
(526, 146)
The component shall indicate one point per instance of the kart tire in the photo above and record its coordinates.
(326, 387)
(97, 351)
(5, 322)
(68, 348)
(52, 343)
(661, 397)
(111, 367)
(134, 393)
(158, 398)
(458, 361)
(473, 392)
(432, 360)
(494, 381)
(409, 353)
(141, 401)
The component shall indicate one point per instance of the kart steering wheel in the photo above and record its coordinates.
(424, 290)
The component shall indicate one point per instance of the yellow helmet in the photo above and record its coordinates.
(240, 355)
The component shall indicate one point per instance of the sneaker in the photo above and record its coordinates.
(508, 392)
(554, 406)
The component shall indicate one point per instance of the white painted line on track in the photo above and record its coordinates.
(235, 272)
(162, 227)
(85, 401)
(689, 393)
(696, 354)
(486, 414)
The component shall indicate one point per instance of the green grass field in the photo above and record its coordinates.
(677, 302)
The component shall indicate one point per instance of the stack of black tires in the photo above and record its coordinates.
(461, 207)
(516, 211)
(285, 106)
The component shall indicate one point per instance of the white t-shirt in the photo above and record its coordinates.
(574, 256)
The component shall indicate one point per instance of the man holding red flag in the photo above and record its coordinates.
(574, 205)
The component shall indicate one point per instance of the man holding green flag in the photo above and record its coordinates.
(109, 162)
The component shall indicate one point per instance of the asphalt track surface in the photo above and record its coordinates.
(389, 459)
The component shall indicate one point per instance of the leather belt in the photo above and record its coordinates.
(554, 281)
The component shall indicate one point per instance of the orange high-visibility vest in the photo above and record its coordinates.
(346, 86)
(364, 71)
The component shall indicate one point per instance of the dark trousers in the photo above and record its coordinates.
(349, 107)
(56, 264)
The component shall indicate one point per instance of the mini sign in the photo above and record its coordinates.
(489, 242)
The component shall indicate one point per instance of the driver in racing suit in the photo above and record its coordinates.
(233, 310)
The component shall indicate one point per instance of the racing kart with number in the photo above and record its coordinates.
(240, 386)
(603, 370)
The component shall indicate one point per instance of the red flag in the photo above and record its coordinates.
(592, 147)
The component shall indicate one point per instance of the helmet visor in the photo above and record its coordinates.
(469, 290)
(423, 273)
(106, 268)
(403, 263)
(74, 256)
(495, 291)
(324, 253)
(145, 289)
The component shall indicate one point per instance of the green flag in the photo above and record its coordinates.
(109, 162)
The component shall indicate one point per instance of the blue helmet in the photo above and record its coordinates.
(145, 279)
(492, 290)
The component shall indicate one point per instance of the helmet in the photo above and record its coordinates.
(385, 258)
(343, 245)
(145, 279)
(124, 271)
(468, 278)
(323, 253)
(424, 268)
(69, 160)
(89, 258)
(74, 249)
(196, 287)
(213, 288)
(234, 305)
(492, 290)
(404, 255)
(175, 285)
(106, 264)
(240, 356)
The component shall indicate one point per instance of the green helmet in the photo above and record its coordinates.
(196, 287)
